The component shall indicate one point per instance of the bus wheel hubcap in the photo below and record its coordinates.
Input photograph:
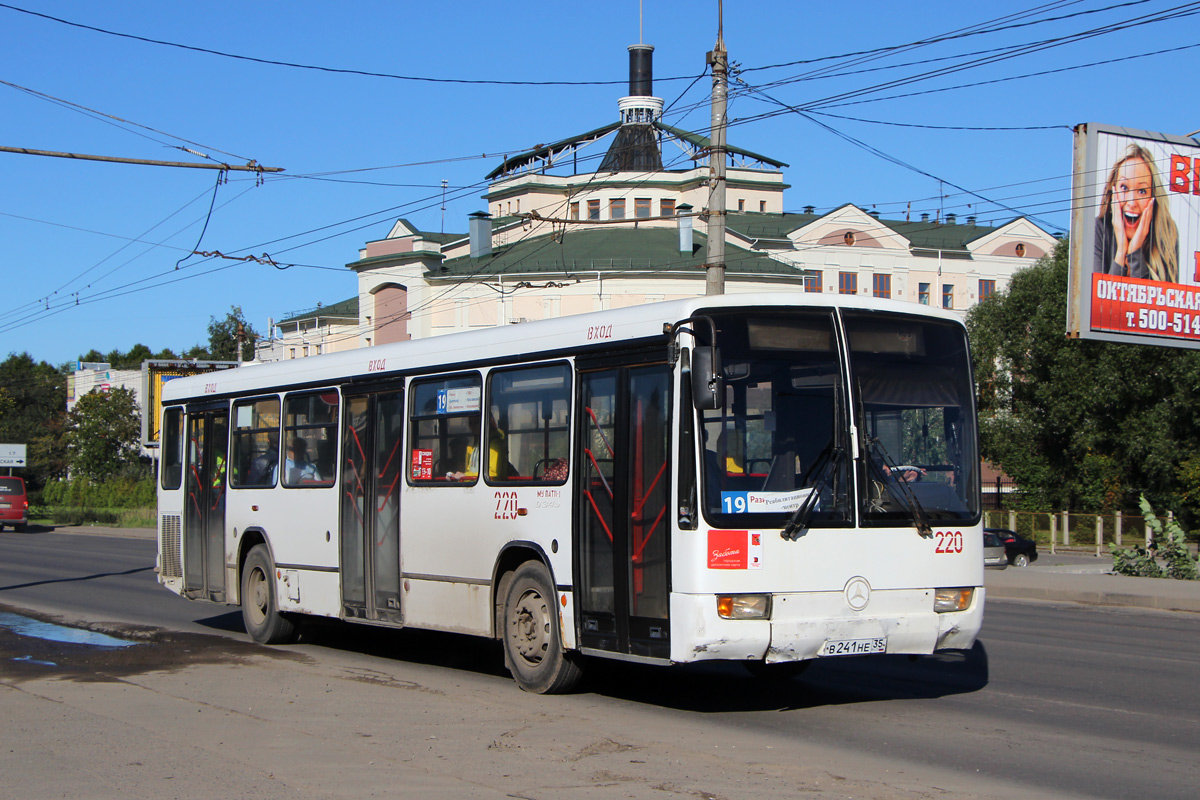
(531, 627)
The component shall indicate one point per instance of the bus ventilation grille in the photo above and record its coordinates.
(169, 544)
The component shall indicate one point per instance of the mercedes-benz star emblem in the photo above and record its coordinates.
(858, 593)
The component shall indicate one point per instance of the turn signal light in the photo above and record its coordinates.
(952, 599)
(744, 606)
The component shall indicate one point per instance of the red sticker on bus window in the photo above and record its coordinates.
(422, 465)
(728, 549)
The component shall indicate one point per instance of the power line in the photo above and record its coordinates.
(111, 119)
(251, 167)
(314, 67)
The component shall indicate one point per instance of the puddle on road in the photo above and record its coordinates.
(35, 628)
(33, 648)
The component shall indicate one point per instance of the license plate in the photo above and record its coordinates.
(853, 647)
(5, 505)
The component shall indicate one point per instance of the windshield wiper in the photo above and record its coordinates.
(827, 465)
(886, 481)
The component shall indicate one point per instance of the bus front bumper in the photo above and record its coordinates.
(806, 625)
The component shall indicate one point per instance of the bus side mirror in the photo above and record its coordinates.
(708, 385)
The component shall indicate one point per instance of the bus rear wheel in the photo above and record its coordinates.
(533, 650)
(264, 622)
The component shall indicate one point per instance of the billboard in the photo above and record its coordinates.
(1135, 237)
(157, 373)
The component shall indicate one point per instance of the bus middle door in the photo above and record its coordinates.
(622, 526)
(372, 460)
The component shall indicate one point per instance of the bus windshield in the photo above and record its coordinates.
(782, 440)
(782, 433)
(914, 404)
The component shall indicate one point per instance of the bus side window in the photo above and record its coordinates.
(528, 438)
(444, 435)
(255, 448)
(310, 439)
(172, 448)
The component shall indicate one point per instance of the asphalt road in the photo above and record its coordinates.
(1055, 700)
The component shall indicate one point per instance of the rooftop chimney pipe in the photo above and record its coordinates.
(684, 212)
(480, 230)
(641, 70)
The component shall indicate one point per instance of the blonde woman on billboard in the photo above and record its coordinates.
(1135, 235)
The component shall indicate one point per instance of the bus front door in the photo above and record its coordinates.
(370, 506)
(204, 518)
(622, 527)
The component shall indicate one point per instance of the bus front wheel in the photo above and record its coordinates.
(533, 650)
(264, 622)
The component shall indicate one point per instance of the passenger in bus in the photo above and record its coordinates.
(264, 467)
(298, 468)
(456, 465)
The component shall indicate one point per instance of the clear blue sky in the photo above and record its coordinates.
(90, 249)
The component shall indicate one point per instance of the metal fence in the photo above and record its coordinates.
(1063, 529)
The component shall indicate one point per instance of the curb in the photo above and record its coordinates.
(1171, 596)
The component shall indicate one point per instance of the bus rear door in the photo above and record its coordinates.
(204, 517)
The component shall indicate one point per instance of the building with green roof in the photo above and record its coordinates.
(617, 216)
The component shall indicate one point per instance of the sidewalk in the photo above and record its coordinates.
(1094, 585)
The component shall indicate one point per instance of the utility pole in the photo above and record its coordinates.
(445, 183)
(714, 268)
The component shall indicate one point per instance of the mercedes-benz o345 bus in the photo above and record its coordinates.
(767, 479)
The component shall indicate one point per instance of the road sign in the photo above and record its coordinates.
(12, 455)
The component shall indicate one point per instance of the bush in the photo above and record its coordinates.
(83, 516)
(1169, 544)
(121, 492)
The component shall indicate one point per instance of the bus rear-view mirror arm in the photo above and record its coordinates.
(708, 382)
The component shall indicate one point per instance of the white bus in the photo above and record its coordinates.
(760, 478)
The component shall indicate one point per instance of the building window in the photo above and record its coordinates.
(812, 281)
(616, 208)
(847, 283)
(849, 239)
(666, 207)
(1020, 250)
(641, 207)
(762, 206)
(575, 210)
(947, 295)
(923, 293)
(881, 285)
(986, 290)
(741, 204)
(593, 209)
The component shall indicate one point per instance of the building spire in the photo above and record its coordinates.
(635, 147)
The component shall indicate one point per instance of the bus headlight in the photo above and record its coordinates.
(952, 599)
(744, 606)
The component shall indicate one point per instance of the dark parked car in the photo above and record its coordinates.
(14, 503)
(1021, 551)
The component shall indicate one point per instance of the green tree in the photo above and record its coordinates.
(102, 434)
(130, 360)
(37, 393)
(223, 338)
(1079, 424)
